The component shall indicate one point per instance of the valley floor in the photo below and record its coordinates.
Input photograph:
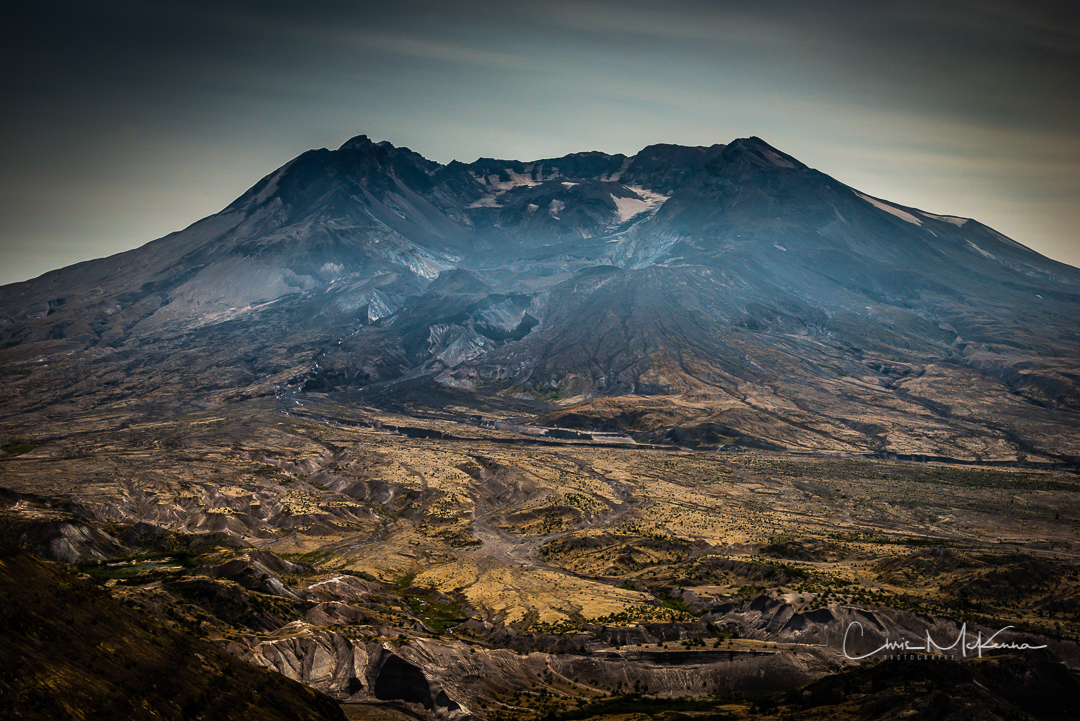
(418, 565)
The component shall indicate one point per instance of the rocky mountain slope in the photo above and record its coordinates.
(539, 439)
(761, 298)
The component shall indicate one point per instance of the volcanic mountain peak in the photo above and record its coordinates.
(725, 268)
(360, 142)
(756, 151)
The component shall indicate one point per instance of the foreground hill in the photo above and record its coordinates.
(72, 652)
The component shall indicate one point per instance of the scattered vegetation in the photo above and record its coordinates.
(16, 449)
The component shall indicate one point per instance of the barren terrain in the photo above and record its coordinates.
(469, 441)
(507, 571)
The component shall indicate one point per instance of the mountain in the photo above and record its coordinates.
(565, 438)
(691, 295)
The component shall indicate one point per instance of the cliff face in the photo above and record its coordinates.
(437, 678)
(430, 676)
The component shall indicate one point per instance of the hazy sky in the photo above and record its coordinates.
(123, 121)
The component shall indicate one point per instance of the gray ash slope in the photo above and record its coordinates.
(755, 296)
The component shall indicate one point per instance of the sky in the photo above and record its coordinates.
(124, 121)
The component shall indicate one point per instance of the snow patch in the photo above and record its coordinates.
(516, 180)
(901, 214)
(568, 184)
(645, 201)
(1006, 239)
(271, 187)
(499, 186)
(991, 256)
(614, 177)
(555, 208)
(958, 222)
(776, 160)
